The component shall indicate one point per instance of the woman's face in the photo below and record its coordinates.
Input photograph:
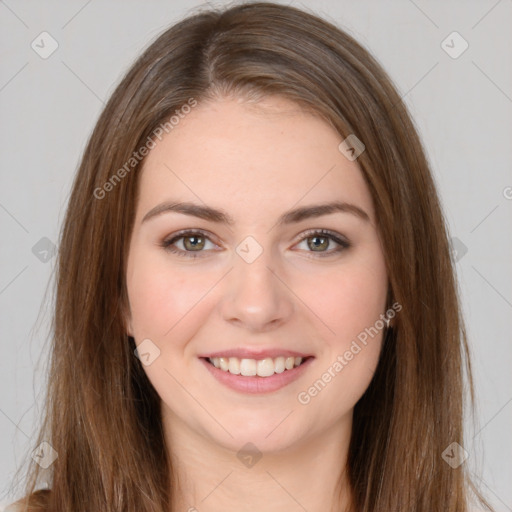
(253, 281)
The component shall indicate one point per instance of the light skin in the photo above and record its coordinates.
(255, 162)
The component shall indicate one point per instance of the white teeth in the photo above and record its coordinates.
(265, 367)
(234, 366)
(279, 364)
(248, 367)
(251, 367)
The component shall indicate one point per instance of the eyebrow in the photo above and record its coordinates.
(289, 217)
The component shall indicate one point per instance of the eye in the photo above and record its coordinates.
(318, 241)
(192, 243)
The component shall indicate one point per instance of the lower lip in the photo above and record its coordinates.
(257, 385)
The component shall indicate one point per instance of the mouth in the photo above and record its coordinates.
(256, 376)
(265, 367)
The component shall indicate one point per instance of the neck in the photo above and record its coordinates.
(208, 477)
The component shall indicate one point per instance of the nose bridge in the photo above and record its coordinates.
(255, 296)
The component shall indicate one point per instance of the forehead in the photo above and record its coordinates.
(251, 158)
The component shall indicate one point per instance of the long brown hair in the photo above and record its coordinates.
(102, 414)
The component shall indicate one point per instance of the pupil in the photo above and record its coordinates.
(197, 242)
(322, 245)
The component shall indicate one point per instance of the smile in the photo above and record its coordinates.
(252, 367)
(256, 376)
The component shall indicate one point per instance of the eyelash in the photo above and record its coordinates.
(342, 244)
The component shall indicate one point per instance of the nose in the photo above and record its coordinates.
(256, 296)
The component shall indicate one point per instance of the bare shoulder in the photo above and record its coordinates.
(37, 502)
(20, 506)
(13, 507)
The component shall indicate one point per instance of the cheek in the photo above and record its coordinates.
(348, 300)
(160, 296)
(354, 315)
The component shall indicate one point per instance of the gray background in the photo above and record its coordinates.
(462, 107)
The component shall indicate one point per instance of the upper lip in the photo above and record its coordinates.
(243, 353)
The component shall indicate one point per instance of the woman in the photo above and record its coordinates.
(205, 356)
